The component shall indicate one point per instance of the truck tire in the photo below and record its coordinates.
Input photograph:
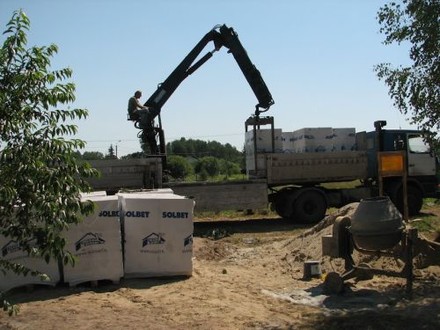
(283, 204)
(310, 206)
(415, 200)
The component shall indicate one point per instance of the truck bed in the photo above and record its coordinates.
(318, 167)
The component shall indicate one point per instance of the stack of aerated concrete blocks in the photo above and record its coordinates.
(311, 139)
(129, 235)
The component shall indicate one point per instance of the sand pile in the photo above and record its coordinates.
(308, 247)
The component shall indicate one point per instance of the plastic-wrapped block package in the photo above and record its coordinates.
(11, 251)
(344, 139)
(264, 141)
(287, 139)
(96, 242)
(314, 139)
(158, 234)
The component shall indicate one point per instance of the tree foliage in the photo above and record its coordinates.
(415, 89)
(229, 168)
(92, 155)
(179, 167)
(210, 158)
(209, 165)
(199, 148)
(134, 155)
(40, 177)
(111, 153)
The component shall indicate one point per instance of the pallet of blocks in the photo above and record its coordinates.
(158, 234)
(96, 244)
(12, 252)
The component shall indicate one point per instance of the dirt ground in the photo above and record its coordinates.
(247, 274)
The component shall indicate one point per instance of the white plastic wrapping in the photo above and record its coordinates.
(11, 251)
(96, 243)
(158, 234)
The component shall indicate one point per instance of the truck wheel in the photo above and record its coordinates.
(310, 206)
(415, 200)
(283, 204)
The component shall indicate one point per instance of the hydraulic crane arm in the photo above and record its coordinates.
(222, 36)
(252, 75)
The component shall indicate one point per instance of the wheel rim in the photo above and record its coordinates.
(310, 207)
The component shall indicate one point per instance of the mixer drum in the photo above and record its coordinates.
(376, 224)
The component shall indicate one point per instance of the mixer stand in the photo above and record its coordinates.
(334, 283)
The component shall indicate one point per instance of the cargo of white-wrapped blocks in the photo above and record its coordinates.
(344, 139)
(158, 234)
(313, 139)
(96, 244)
(264, 141)
(128, 235)
(308, 139)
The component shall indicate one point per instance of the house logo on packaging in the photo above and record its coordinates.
(89, 239)
(153, 239)
(14, 247)
(188, 240)
(10, 247)
(187, 244)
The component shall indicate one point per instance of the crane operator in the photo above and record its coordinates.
(136, 110)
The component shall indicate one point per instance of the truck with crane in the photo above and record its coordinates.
(293, 182)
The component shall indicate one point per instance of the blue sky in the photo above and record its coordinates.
(316, 57)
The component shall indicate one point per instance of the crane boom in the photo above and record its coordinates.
(221, 36)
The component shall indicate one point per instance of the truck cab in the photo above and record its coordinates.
(421, 165)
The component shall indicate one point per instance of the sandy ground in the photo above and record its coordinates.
(246, 275)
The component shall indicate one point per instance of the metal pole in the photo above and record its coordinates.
(405, 189)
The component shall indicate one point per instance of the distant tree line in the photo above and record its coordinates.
(203, 160)
(97, 155)
(189, 159)
(199, 148)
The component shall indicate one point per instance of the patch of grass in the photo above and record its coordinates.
(429, 218)
(431, 203)
(430, 224)
(234, 214)
(218, 178)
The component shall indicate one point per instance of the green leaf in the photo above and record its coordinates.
(39, 174)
